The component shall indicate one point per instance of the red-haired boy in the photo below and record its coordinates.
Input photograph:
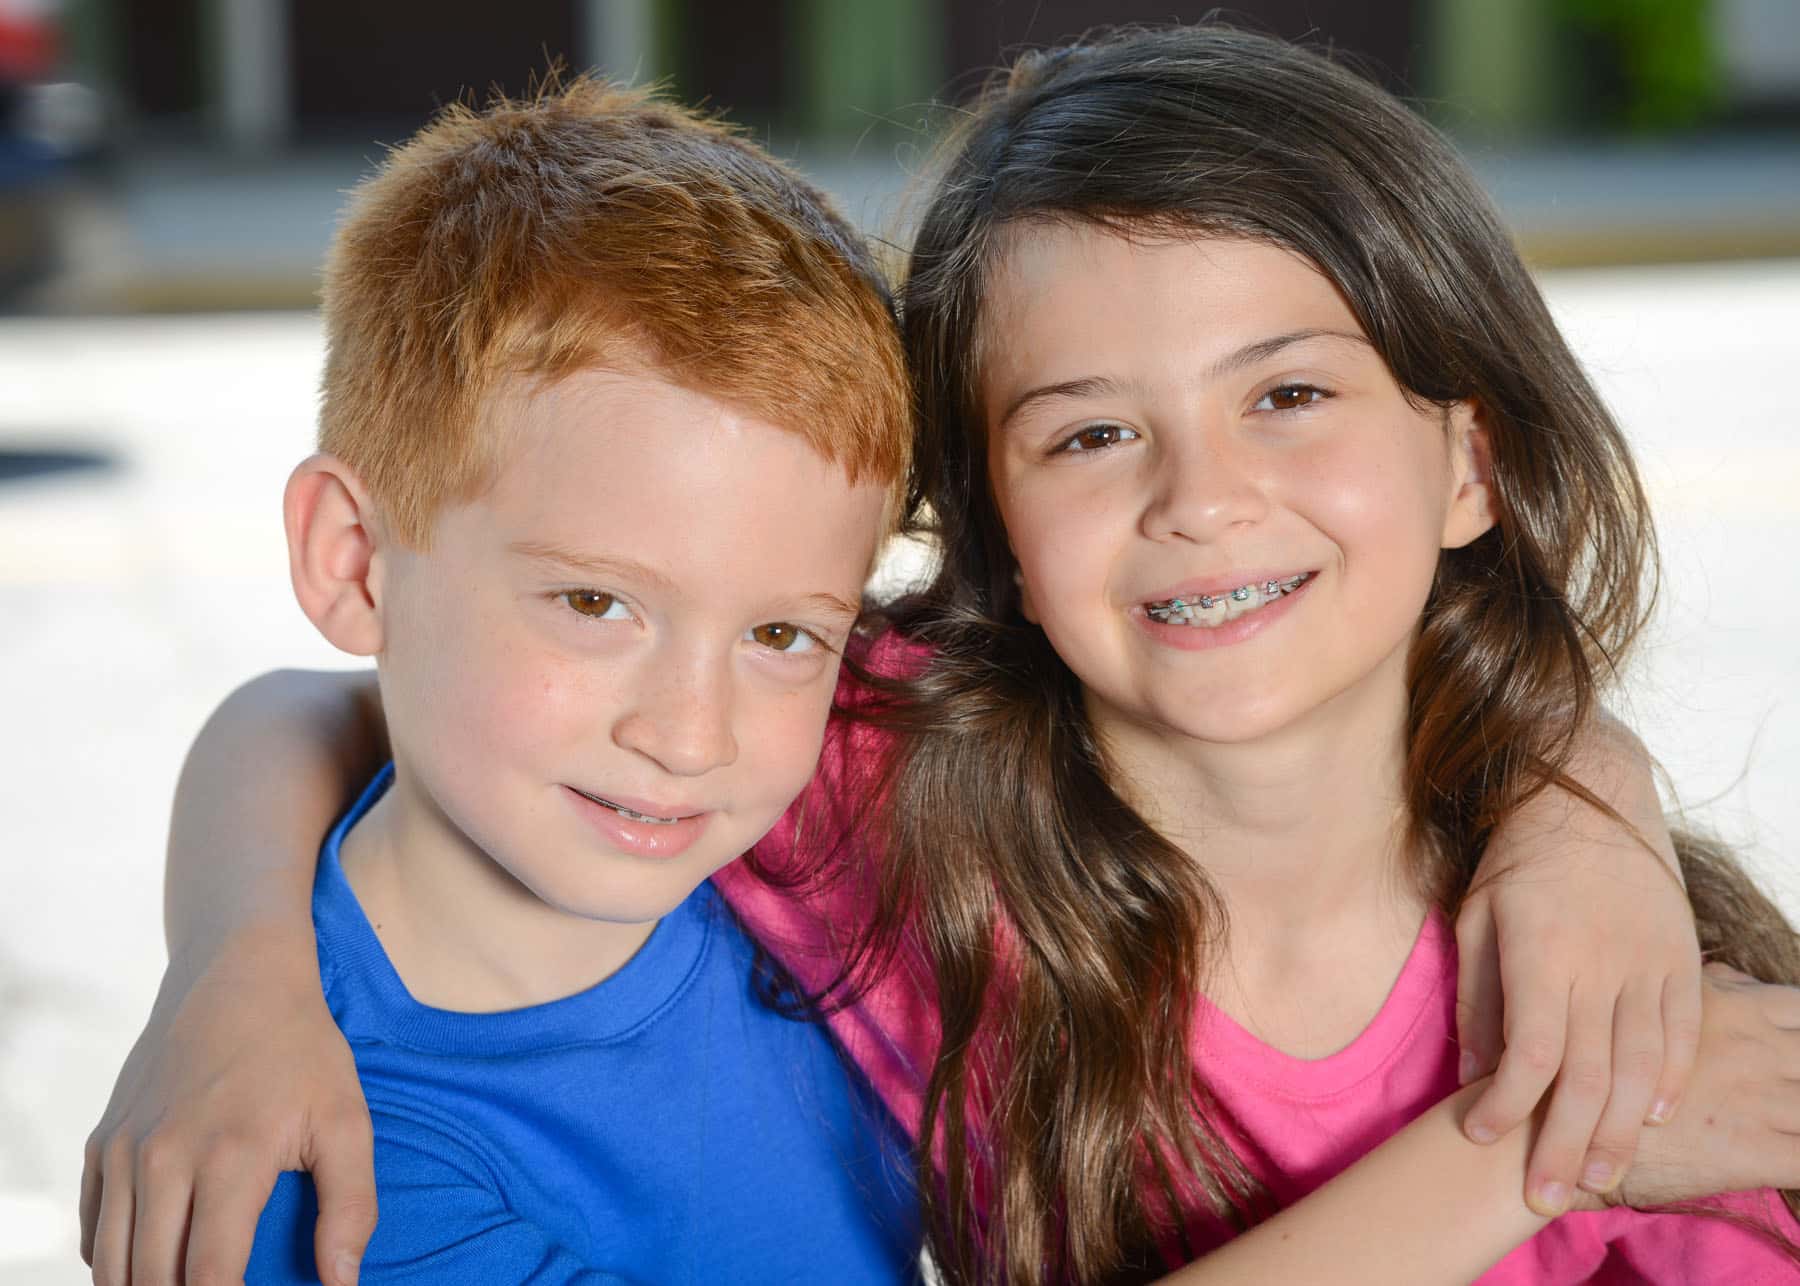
(614, 418)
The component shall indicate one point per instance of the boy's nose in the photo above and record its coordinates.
(1202, 486)
(683, 722)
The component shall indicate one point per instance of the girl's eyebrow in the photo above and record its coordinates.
(1237, 359)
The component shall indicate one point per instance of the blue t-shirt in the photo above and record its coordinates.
(662, 1126)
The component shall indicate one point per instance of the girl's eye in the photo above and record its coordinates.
(596, 604)
(1290, 397)
(779, 636)
(1097, 437)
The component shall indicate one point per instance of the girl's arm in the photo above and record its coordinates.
(1579, 960)
(240, 1071)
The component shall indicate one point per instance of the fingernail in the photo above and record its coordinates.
(1467, 1068)
(1661, 1111)
(344, 1268)
(1597, 1177)
(1552, 1197)
(1482, 1133)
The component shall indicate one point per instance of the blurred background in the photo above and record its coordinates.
(170, 171)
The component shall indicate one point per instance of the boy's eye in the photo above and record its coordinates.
(1097, 437)
(779, 636)
(1290, 397)
(595, 603)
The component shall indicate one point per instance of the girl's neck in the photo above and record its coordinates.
(1303, 834)
(1310, 811)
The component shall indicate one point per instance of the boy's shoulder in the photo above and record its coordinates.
(603, 1128)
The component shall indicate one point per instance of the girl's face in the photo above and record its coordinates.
(1180, 419)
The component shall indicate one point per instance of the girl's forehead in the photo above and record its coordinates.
(1079, 291)
(1189, 275)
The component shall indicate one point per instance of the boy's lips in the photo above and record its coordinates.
(638, 827)
(642, 810)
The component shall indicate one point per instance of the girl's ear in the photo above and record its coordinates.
(1471, 510)
(334, 553)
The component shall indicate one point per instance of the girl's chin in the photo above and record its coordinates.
(1201, 719)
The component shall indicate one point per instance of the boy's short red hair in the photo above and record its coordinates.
(594, 223)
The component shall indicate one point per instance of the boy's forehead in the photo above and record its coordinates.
(628, 427)
(534, 413)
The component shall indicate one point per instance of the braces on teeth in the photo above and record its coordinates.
(1216, 609)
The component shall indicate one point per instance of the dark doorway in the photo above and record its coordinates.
(384, 68)
(1385, 38)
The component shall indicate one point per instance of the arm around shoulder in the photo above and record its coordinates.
(240, 1071)
(1426, 1208)
(442, 1221)
(264, 779)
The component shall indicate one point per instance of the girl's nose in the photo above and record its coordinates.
(1202, 484)
(681, 718)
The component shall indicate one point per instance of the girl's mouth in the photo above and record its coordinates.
(1209, 611)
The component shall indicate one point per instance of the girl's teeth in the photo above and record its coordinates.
(1209, 610)
(1245, 598)
(1212, 611)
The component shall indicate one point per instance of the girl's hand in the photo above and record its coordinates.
(1741, 1126)
(1580, 965)
(239, 1074)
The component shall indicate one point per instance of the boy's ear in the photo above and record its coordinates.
(334, 553)
(1471, 511)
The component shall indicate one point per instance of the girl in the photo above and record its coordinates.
(1185, 658)
(1285, 546)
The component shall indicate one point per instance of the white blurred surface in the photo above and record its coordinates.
(132, 599)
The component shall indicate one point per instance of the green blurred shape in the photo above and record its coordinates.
(1492, 69)
(1662, 53)
(869, 66)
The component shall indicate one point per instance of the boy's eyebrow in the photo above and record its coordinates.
(602, 565)
(832, 605)
(1248, 355)
(608, 567)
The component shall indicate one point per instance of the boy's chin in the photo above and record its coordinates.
(628, 907)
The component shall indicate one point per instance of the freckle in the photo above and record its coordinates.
(1711, 1120)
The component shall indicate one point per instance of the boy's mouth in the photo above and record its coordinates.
(1209, 611)
(628, 813)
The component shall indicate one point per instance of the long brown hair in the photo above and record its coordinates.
(1063, 1128)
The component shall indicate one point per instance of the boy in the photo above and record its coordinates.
(614, 416)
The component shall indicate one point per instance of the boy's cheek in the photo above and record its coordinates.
(791, 735)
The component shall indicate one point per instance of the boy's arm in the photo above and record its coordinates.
(1428, 1207)
(240, 1071)
(1579, 958)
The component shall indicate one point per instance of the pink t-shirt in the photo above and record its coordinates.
(1299, 1121)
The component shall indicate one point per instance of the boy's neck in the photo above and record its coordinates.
(461, 932)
